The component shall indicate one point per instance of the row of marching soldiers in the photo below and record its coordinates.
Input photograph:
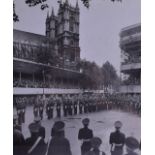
(58, 144)
(77, 104)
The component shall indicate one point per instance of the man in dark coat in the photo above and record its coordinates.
(35, 144)
(42, 131)
(58, 144)
(85, 135)
(131, 145)
(18, 142)
(117, 140)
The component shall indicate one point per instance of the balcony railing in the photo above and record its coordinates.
(130, 38)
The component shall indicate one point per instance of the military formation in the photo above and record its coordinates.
(69, 105)
(58, 144)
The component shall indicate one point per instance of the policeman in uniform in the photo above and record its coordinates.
(131, 145)
(58, 144)
(117, 140)
(95, 144)
(85, 135)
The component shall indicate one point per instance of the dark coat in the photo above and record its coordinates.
(40, 148)
(18, 143)
(59, 146)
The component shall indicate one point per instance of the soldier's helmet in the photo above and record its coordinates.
(118, 124)
(96, 141)
(59, 126)
(132, 143)
(85, 121)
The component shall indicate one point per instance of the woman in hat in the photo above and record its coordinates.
(131, 145)
(58, 144)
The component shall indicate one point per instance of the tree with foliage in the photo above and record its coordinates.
(43, 5)
(92, 75)
(110, 77)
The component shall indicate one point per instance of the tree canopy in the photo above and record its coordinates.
(43, 5)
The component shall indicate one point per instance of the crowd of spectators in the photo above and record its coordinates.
(27, 83)
(132, 81)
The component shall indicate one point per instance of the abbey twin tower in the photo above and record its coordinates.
(63, 29)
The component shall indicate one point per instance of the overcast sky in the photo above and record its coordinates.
(100, 25)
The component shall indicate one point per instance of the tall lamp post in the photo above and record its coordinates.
(43, 72)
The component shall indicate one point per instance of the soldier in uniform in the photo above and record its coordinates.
(75, 102)
(36, 109)
(65, 106)
(16, 123)
(35, 144)
(117, 140)
(23, 109)
(81, 105)
(86, 105)
(58, 107)
(19, 110)
(131, 145)
(95, 144)
(41, 107)
(48, 109)
(58, 144)
(85, 135)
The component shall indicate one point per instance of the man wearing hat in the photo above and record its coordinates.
(35, 144)
(85, 134)
(58, 144)
(131, 145)
(18, 138)
(37, 120)
(117, 140)
(95, 144)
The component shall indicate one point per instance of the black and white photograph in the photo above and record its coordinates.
(76, 77)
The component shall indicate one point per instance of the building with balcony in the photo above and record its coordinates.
(130, 44)
(33, 71)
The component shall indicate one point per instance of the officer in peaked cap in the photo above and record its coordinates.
(117, 140)
(95, 144)
(35, 143)
(37, 121)
(131, 145)
(58, 144)
(85, 135)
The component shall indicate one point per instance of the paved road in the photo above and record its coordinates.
(101, 123)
